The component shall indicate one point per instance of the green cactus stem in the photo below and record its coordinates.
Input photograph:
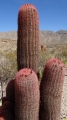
(51, 90)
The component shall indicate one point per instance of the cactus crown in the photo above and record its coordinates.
(27, 10)
(23, 72)
(53, 77)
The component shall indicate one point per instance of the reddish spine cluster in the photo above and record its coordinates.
(26, 95)
(51, 90)
(28, 38)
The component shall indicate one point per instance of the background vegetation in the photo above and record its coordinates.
(8, 61)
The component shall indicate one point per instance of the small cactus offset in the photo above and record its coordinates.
(51, 90)
(4, 99)
(10, 91)
(7, 106)
(26, 95)
(28, 38)
(6, 115)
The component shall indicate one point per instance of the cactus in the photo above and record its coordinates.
(0, 110)
(10, 91)
(4, 99)
(6, 115)
(26, 95)
(51, 90)
(28, 38)
(8, 106)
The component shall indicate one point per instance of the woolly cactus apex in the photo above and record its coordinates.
(26, 95)
(51, 90)
(10, 91)
(28, 38)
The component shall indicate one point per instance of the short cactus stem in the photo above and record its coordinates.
(6, 115)
(27, 95)
(51, 90)
(28, 38)
(8, 106)
(4, 99)
(10, 91)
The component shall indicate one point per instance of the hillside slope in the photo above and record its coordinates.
(46, 37)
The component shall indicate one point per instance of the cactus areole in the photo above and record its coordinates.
(28, 38)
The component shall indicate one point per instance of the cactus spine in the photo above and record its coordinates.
(28, 38)
(26, 95)
(51, 90)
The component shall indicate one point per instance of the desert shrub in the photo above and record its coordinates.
(8, 61)
(8, 65)
(40, 72)
(61, 53)
(43, 57)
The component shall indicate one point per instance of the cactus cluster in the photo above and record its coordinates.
(24, 100)
(28, 38)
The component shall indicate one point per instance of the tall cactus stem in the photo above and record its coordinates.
(28, 38)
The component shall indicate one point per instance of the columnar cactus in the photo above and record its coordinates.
(26, 95)
(28, 38)
(51, 90)
(10, 91)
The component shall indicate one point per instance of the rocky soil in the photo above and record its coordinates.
(64, 98)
